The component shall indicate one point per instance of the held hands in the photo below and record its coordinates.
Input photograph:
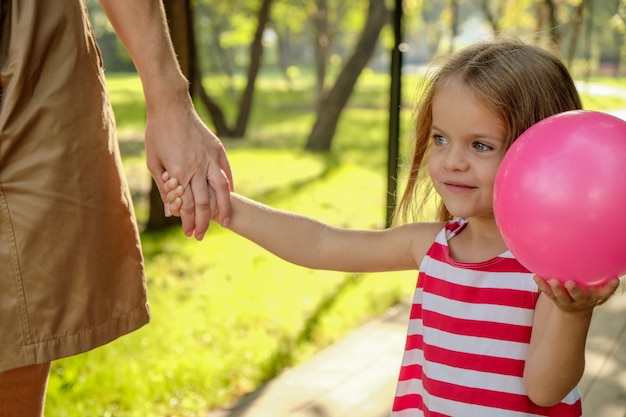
(570, 297)
(178, 141)
(174, 199)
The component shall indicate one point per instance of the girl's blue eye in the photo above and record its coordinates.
(481, 147)
(439, 140)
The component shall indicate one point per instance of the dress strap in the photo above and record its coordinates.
(454, 227)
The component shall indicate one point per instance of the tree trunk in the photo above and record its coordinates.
(324, 128)
(539, 22)
(454, 23)
(577, 24)
(491, 17)
(245, 105)
(179, 18)
(322, 48)
(256, 53)
(215, 111)
(553, 30)
(284, 53)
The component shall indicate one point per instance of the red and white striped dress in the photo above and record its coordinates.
(468, 337)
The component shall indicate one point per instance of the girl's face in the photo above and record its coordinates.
(468, 143)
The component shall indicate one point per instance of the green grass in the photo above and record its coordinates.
(126, 98)
(228, 316)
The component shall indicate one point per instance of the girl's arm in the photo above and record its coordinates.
(556, 356)
(176, 138)
(313, 244)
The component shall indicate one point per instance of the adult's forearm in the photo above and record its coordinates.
(142, 27)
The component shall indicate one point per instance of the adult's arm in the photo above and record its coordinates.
(176, 138)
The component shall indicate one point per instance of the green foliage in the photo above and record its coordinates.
(126, 96)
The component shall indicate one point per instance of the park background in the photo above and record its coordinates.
(227, 316)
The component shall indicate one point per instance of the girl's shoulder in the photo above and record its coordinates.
(427, 231)
(423, 235)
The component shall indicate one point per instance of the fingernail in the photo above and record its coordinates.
(168, 213)
(226, 222)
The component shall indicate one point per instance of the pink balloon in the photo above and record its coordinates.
(560, 197)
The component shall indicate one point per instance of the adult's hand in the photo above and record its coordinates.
(179, 142)
(176, 138)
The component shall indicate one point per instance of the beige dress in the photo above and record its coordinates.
(71, 269)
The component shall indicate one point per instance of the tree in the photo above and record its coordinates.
(618, 21)
(323, 41)
(492, 17)
(553, 25)
(556, 23)
(222, 128)
(431, 15)
(454, 23)
(576, 29)
(333, 103)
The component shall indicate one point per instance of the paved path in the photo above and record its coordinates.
(354, 377)
(600, 90)
(603, 386)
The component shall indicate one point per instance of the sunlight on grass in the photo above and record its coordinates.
(126, 96)
(603, 103)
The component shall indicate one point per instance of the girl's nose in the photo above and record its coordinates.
(455, 159)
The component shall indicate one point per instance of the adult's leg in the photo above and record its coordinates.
(23, 391)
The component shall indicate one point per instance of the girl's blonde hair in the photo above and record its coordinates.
(522, 83)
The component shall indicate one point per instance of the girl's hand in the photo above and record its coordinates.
(174, 199)
(570, 297)
(174, 195)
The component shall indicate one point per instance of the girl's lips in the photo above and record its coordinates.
(458, 188)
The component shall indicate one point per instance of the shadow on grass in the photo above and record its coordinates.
(281, 192)
(284, 356)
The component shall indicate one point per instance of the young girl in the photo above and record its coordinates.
(486, 337)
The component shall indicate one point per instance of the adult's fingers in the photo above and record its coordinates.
(221, 187)
(188, 213)
(202, 203)
(224, 165)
